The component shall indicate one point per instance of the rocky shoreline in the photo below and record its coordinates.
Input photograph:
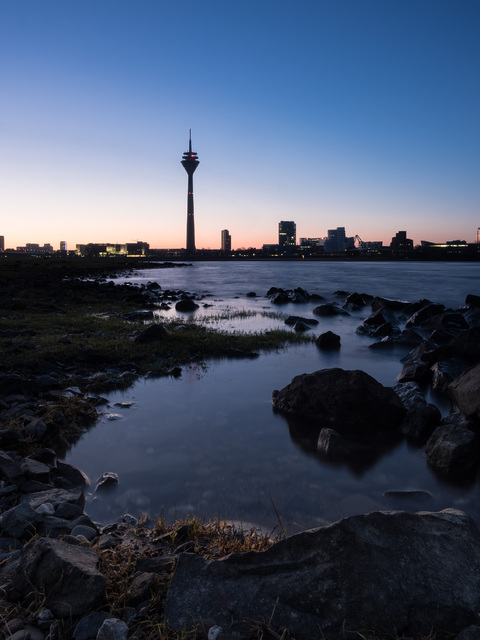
(64, 576)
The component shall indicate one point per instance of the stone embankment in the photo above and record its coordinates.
(64, 576)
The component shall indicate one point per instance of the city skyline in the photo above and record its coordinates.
(355, 114)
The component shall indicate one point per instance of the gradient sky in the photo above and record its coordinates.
(356, 113)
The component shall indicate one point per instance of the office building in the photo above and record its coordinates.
(2, 243)
(226, 241)
(63, 245)
(287, 235)
(190, 162)
(478, 235)
(337, 241)
(400, 243)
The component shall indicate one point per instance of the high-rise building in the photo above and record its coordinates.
(287, 234)
(478, 235)
(190, 162)
(226, 241)
(63, 245)
(337, 241)
(2, 243)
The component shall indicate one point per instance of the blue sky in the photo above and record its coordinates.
(356, 113)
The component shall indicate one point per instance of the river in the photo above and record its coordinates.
(209, 443)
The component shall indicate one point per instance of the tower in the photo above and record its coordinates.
(226, 241)
(190, 162)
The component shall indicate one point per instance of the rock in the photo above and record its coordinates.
(281, 297)
(465, 391)
(351, 402)
(87, 628)
(233, 352)
(107, 481)
(467, 345)
(425, 313)
(292, 320)
(82, 530)
(413, 372)
(358, 299)
(35, 470)
(251, 294)
(334, 447)
(187, 304)
(70, 475)
(21, 521)
(36, 429)
(328, 340)
(113, 629)
(385, 303)
(152, 333)
(141, 588)
(10, 468)
(67, 575)
(470, 633)
(453, 450)
(330, 309)
(385, 571)
(380, 317)
(421, 417)
(445, 372)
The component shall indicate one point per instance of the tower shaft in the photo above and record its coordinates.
(190, 162)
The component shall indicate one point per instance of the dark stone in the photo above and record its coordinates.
(422, 417)
(329, 309)
(472, 300)
(107, 481)
(251, 294)
(385, 303)
(453, 450)
(301, 326)
(467, 345)
(333, 446)
(292, 320)
(348, 401)
(413, 372)
(68, 576)
(465, 391)
(152, 333)
(425, 313)
(328, 341)
(388, 572)
(445, 372)
(233, 352)
(87, 628)
(141, 588)
(187, 304)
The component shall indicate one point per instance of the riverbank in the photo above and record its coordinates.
(66, 339)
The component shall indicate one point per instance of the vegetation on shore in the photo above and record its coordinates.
(53, 312)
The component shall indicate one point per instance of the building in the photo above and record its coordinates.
(190, 162)
(337, 241)
(63, 245)
(226, 245)
(2, 243)
(400, 243)
(287, 235)
(312, 242)
(478, 235)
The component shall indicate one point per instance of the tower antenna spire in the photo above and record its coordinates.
(190, 140)
(190, 162)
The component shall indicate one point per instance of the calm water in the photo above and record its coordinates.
(209, 443)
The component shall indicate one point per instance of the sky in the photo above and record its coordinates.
(363, 114)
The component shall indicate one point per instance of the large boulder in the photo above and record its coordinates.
(453, 449)
(351, 402)
(393, 573)
(465, 391)
(67, 576)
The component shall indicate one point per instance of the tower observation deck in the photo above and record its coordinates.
(190, 162)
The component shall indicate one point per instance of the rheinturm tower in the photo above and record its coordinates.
(190, 162)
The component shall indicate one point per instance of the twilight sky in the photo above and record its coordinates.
(356, 113)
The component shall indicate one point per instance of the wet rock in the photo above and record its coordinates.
(380, 317)
(453, 450)
(68, 576)
(334, 447)
(385, 303)
(349, 401)
(467, 345)
(301, 326)
(445, 372)
(328, 341)
(21, 522)
(329, 309)
(413, 372)
(292, 320)
(251, 294)
(425, 313)
(281, 297)
(187, 304)
(465, 391)
(152, 333)
(141, 588)
(422, 417)
(340, 578)
(107, 481)
(233, 352)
